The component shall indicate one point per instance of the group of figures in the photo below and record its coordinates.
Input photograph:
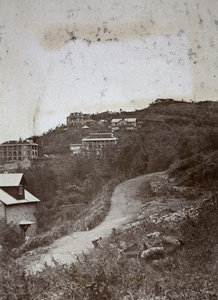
(170, 245)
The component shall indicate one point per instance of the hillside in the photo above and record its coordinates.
(172, 133)
(159, 208)
(173, 113)
(177, 137)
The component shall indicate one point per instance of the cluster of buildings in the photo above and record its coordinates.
(96, 142)
(13, 150)
(17, 205)
(78, 119)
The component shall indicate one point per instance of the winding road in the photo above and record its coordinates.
(124, 208)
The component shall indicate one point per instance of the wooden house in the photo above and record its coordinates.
(17, 205)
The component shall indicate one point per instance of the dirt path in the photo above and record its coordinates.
(124, 208)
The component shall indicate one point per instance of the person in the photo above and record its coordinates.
(95, 242)
(27, 238)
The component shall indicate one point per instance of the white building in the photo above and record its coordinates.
(95, 142)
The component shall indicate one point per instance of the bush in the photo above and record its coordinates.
(10, 236)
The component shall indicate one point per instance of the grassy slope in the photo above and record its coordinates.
(102, 275)
(189, 133)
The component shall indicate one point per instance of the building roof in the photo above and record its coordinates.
(7, 180)
(90, 121)
(125, 119)
(100, 137)
(75, 145)
(11, 143)
(25, 222)
(115, 120)
(9, 200)
(130, 119)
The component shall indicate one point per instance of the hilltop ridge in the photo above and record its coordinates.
(167, 111)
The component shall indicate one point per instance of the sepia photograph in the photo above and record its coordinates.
(108, 150)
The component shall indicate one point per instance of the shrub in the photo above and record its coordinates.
(10, 235)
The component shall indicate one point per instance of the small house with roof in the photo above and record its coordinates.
(17, 205)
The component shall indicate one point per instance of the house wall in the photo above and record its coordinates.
(2, 211)
(16, 213)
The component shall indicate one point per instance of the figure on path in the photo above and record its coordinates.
(95, 242)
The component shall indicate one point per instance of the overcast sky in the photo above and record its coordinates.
(61, 56)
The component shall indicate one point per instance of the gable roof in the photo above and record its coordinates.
(7, 180)
(9, 200)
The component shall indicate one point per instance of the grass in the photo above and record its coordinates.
(101, 274)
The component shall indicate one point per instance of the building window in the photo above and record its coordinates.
(20, 190)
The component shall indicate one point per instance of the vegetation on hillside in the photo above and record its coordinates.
(178, 136)
(103, 274)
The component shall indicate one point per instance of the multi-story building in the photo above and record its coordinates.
(18, 150)
(95, 142)
(77, 118)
